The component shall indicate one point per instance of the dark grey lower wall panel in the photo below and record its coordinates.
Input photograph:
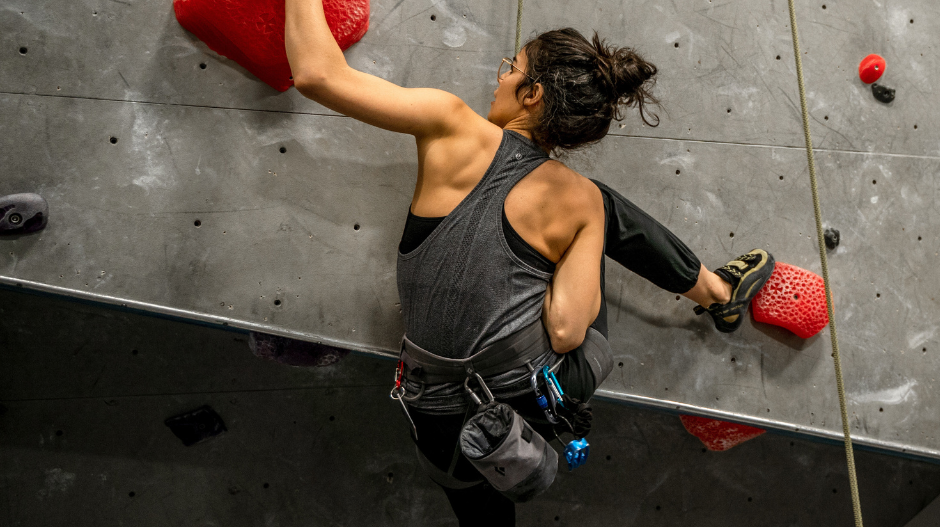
(328, 447)
(196, 213)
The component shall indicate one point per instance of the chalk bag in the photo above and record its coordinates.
(514, 458)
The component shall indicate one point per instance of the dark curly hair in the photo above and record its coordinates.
(584, 85)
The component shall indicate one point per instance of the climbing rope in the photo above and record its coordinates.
(518, 27)
(856, 504)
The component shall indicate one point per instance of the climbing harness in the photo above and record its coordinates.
(856, 504)
(495, 439)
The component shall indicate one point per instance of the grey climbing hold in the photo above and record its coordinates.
(196, 426)
(882, 93)
(832, 238)
(22, 214)
(293, 352)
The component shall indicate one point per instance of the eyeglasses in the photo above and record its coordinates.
(508, 61)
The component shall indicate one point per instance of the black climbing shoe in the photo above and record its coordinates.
(746, 274)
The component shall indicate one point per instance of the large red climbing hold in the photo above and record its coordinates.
(251, 32)
(871, 68)
(794, 299)
(718, 435)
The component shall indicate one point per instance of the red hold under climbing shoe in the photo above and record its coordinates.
(794, 299)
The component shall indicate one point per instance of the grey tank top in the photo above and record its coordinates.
(463, 288)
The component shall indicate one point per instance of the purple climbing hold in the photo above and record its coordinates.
(22, 214)
(294, 352)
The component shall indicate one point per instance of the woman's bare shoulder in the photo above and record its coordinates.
(568, 187)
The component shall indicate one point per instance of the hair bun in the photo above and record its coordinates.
(627, 77)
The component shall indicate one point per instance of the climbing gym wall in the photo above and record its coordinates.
(180, 184)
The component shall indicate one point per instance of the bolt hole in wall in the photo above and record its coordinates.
(113, 140)
(678, 172)
(23, 50)
(433, 17)
(277, 302)
(282, 150)
(203, 66)
(356, 227)
(197, 223)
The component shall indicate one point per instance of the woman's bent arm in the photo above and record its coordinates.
(573, 299)
(321, 73)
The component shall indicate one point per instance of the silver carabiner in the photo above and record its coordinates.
(473, 396)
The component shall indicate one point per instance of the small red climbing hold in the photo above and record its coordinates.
(718, 435)
(871, 68)
(251, 32)
(794, 299)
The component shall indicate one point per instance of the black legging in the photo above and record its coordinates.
(634, 240)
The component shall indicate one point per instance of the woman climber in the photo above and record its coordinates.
(502, 253)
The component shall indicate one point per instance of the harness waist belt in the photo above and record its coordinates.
(504, 355)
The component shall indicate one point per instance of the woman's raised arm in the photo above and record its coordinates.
(321, 73)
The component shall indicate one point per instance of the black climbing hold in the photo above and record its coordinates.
(882, 93)
(22, 213)
(196, 426)
(832, 238)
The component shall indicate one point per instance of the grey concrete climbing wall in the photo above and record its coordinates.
(180, 184)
